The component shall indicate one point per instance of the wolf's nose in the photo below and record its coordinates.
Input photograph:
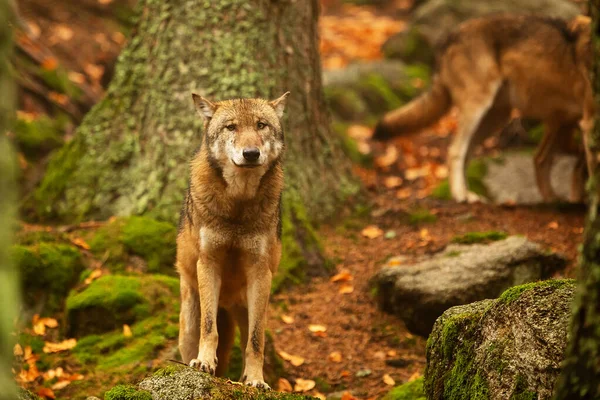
(251, 153)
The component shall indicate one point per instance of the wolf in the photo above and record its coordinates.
(492, 65)
(229, 240)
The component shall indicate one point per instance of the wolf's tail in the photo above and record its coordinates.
(419, 113)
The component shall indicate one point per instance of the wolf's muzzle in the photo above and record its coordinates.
(251, 154)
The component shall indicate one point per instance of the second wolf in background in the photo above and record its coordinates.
(492, 65)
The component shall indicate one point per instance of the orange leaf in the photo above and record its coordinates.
(553, 225)
(79, 242)
(95, 72)
(335, 356)
(348, 396)
(345, 374)
(296, 361)
(388, 158)
(320, 396)
(404, 193)
(46, 392)
(97, 273)
(388, 380)
(68, 344)
(372, 232)
(343, 276)
(359, 132)
(317, 328)
(346, 288)
(283, 385)
(60, 385)
(304, 385)
(288, 319)
(49, 64)
(414, 376)
(17, 350)
(391, 182)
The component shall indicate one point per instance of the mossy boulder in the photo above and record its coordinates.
(460, 274)
(151, 240)
(184, 383)
(407, 391)
(113, 300)
(508, 348)
(48, 270)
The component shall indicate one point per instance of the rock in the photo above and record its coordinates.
(434, 19)
(511, 347)
(460, 274)
(513, 179)
(184, 383)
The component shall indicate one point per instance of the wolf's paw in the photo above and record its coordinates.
(474, 198)
(258, 384)
(204, 366)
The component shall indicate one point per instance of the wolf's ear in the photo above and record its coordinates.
(279, 104)
(204, 107)
(579, 24)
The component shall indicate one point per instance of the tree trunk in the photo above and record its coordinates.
(130, 155)
(580, 377)
(9, 285)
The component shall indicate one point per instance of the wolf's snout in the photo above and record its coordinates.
(251, 153)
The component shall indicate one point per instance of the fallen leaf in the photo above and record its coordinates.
(345, 374)
(424, 234)
(283, 385)
(414, 376)
(348, 396)
(389, 235)
(553, 225)
(392, 353)
(68, 344)
(105, 1)
(40, 324)
(296, 361)
(49, 64)
(320, 396)
(76, 77)
(304, 385)
(392, 182)
(320, 334)
(79, 242)
(63, 32)
(59, 98)
(388, 158)
(118, 37)
(97, 273)
(34, 29)
(388, 380)
(60, 385)
(363, 372)
(17, 350)
(46, 392)
(346, 288)
(359, 132)
(404, 193)
(95, 72)
(335, 357)
(412, 174)
(372, 232)
(343, 276)
(288, 319)
(314, 328)
(127, 331)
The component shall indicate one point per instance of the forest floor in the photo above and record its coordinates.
(332, 326)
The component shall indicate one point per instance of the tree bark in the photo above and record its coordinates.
(580, 377)
(130, 155)
(9, 285)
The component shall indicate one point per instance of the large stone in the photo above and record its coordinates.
(434, 19)
(184, 383)
(508, 348)
(460, 274)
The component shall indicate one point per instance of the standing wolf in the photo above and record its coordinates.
(229, 241)
(492, 65)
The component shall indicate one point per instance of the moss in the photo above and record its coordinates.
(408, 391)
(479, 237)
(421, 216)
(126, 392)
(453, 253)
(514, 293)
(350, 147)
(520, 392)
(139, 350)
(115, 300)
(476, 171)
(378, 93)
(346, 103)
(409, 46)
(47, 271)
(167, 371)
(37, 137)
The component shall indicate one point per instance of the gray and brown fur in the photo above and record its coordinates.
(495, 64)
(229, 243)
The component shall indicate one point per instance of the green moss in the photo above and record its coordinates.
(346, 103)
(138, 350)
(126, 392)
(408, 391)
(479, 237)
(515, 292)
(421, 216)
(350, 147)
(453, 253)
(476, 171)
(521, 392)
(378, 93)
(47, 270)
(536, 133)
(152, 240)
(167, 371)
(37, 137)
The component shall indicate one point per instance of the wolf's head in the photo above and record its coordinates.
(243, 137)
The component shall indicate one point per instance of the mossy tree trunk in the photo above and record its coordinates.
(580, 377)
(9, 285)
(130, 154)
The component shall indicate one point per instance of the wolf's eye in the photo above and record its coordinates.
(261, 125)
(230, 127)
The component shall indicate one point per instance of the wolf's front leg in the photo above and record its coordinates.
(259, 288)
(209, 285)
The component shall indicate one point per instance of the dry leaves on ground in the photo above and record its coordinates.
(372, 232)
(304, 385)
(296, 361)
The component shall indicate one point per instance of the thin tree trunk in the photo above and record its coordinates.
(580, 377)
(130, 154)
(9, 286)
